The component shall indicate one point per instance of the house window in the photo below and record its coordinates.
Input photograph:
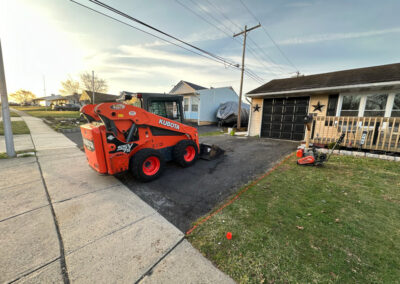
(375, 105)
(186, 104)
(396, 106)
(350, 105)
(195, 107)
(332, 104)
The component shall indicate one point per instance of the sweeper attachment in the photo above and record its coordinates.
(121, 137)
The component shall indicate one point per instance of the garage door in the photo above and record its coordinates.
(283, 118)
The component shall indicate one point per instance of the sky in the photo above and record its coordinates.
(45, 42)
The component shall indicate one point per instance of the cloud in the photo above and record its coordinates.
(146, 67)
(299, 4)
(337, 36)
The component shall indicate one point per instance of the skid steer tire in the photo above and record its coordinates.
(186, 153)
(147, 165)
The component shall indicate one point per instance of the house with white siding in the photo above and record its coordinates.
(201, 104)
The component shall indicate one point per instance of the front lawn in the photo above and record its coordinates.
(41, 112)
(338, 223)
(18, 127)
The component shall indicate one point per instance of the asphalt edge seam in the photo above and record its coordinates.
(64, 270)
(149, 271)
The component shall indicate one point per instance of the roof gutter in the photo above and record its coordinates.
(315, 90)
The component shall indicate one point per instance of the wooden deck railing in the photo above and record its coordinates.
(373, 133)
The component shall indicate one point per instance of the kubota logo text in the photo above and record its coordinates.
(168, 123)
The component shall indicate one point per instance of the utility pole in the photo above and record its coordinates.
(44, 91)
(93, 86)
(8, 135)
(241, 77)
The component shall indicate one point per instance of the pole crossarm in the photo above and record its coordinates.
(247, 30)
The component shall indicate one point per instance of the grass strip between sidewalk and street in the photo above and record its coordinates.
(302, 224)
(18, 127)
(21, 154)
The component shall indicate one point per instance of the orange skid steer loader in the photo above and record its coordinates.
(121, 137)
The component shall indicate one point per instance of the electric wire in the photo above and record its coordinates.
(163, 39)
(252, 51)
(99, 3)
(226, 33)
(269, 36)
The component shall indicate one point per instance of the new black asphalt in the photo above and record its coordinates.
(182, 195)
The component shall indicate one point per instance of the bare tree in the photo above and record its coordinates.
(22, 96)
(100, 85)
(69, 87)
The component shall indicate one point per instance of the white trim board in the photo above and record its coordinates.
(336, 88)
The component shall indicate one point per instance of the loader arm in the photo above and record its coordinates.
(122, 117)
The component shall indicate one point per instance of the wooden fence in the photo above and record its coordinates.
(373, 133)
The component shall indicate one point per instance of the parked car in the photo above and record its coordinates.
(66, 107)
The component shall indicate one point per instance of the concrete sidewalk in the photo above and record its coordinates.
(62, 222)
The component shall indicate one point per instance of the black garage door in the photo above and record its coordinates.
(283, 118)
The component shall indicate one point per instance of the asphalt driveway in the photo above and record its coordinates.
(182, 195)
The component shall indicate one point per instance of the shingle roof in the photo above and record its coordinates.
(99, 97)
(194, 86)
(49, 98)
(374, 74)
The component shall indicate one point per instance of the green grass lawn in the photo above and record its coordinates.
(18, 127)
(12, 114)
(211, 133)
(39, 111)
(338, 223)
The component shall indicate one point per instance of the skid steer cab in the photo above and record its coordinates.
(121, 137)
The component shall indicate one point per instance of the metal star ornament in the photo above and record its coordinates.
(318, 107)
(256, 108)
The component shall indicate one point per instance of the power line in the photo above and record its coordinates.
(270, 37)
(226, 33)
(160, 31)
(143, 31)
(251, 50)
(210, 55)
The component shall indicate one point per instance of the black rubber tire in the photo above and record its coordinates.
(180, 150)
(136, 164)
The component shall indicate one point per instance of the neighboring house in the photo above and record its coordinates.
(87, 97)
(364, 103)
(72, 99)
(201, 104)
(49, 100)
(190, 100)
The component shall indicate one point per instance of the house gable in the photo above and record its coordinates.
(184, 87)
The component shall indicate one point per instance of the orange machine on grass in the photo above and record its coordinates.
(121, 137)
